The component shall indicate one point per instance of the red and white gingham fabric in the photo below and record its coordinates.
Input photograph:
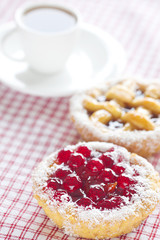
(32, 127)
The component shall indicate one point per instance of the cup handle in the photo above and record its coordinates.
(4, 44)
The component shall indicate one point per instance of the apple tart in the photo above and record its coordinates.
(96, 190)
(125, 112)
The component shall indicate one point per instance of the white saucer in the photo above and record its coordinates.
(96, 57)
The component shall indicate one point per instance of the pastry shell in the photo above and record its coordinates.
(94, 223)
(144, 142)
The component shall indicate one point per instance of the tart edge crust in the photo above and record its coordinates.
(100, 231)
(104, 229)
(143, 147)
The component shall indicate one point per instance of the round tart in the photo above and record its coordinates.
(96, 190)
(125, 112)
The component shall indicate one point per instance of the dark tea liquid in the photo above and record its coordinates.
(49, 19)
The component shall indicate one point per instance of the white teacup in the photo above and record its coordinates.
(48, 33)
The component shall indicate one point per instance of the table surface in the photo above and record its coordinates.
(33, 127)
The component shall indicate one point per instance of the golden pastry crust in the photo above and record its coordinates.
(133, 103)
(94, 223)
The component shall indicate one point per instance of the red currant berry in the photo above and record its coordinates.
(85, 151)
(107, 160)
(125, 192)
(72, 182)
(124, 181)
(54, 183)
(116, 202)
(96, 193)
(62, 173)
(77, 194)
(61, 196)
(63, 156)
(107, 176)
(93, 180)
(95, 166)
(85, 202)
(104, 204)
(76, 160)
(118, 169)
(90, 181)
(82, 173)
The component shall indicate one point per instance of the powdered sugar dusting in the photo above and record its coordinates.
(145, 193)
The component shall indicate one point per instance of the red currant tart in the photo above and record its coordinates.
(96, 190)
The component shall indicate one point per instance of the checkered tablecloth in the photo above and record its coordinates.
(32, 127)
